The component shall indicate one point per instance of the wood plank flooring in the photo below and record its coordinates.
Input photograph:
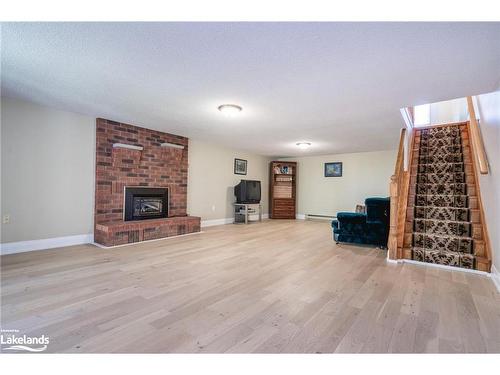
(270, 287)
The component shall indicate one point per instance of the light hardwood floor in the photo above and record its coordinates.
(271, 287)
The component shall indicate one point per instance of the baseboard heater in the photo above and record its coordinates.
(321, 217)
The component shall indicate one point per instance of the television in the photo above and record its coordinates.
(247, 192)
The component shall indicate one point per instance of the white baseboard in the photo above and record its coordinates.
(449, 268)
(495, 277)
(323, 218)
(213, 222)
(313, 217)
(228, 220)
(393, 261)
(47, 243)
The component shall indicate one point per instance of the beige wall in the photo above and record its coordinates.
(365, 174)
(211, 179)
(47, 177)
(489, 111)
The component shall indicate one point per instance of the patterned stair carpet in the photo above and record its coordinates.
(442, 230)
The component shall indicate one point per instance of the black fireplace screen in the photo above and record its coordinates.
(147, 206)
(145, 203)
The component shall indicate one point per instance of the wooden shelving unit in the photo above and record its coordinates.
(282, 189)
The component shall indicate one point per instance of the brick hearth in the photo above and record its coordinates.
(123, 232)
(153, 166)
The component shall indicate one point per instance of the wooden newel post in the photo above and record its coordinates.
(392, 244)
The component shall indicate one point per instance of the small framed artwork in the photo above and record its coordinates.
(240, 166)
(333, 169)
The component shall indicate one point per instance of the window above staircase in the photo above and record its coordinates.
(445, 112)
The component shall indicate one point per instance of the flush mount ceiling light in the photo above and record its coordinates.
(303, 145)
(230, 109)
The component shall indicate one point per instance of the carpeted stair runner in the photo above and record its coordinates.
(442, 230)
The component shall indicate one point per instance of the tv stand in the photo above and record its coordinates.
(242, 212)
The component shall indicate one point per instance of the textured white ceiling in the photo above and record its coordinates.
(337, 85)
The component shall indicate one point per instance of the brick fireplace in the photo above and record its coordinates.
(128, 156)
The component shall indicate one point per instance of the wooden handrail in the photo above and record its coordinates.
(476, 139)
(479, 165)
(395, 189)
(401, 151)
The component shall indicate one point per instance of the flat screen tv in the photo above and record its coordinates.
(247, 191)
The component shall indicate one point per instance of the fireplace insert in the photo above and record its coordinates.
(145, 203)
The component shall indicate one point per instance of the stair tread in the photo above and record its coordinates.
(445, 236)
(478, 242)
(479, 259)
(444, 195)
(449, 207)
(422, 248)
(420, 173)
(445, 163)
(440, 250)
(434, 173)
(444, 184)
(458, 208)
(447, 153)
(443, 220)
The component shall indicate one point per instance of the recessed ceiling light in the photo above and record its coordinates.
(230, 109)
(303, 145)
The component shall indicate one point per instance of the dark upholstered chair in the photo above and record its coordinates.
(370, 228)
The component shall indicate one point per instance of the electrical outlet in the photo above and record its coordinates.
(6, 219)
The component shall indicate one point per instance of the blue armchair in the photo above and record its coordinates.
(370, 228)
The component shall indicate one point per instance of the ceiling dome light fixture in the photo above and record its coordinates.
(303, 145)
(230, 109)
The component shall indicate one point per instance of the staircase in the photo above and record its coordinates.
(443, 221)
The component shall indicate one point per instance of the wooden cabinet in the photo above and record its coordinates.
(282, 188)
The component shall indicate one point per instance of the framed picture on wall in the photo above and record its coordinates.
(240, 166)
(333, 169)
